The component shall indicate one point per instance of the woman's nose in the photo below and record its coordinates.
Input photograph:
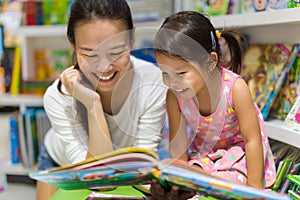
(104, 65)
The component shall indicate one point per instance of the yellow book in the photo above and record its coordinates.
(16, 73)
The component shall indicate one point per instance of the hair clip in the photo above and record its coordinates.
(218, 33)
(213, 41)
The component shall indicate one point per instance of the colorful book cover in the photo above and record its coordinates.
(137, 166)
(282, 173)
(218, 7)
(280, 80)
(55, 12)
(264, 69)
(288, 92)
(292, 120)
(287, 183)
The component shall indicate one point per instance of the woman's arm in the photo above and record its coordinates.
(177, 126)
(250, 130)
(66, 124)
(99, 135)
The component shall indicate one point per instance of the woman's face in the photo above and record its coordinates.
(103, 52)
(180, 76)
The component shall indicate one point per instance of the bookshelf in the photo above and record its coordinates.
(265, 27)
(262, 27)
(268, 27)
(21, 101)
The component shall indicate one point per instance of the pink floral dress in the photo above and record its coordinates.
(216, 142)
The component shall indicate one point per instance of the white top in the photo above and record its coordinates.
(138, 123)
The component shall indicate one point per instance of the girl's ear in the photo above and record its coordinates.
(214, 59)
(133, 36)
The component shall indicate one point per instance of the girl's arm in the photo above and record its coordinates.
(99, 135)
(250, 129)
(177, 126)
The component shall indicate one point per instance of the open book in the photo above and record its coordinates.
(136, 166)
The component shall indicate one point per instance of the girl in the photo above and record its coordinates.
(109, 99)
(227, 136)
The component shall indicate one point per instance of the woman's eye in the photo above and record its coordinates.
(91, 56)
(115, 54)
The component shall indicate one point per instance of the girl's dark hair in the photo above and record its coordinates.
(190, 35)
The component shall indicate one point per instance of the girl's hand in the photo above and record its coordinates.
(159, 193)
(72, 80)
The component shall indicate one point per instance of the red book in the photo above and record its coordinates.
(30, 13)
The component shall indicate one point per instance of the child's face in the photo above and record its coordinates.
(180, 76)
(103, 52)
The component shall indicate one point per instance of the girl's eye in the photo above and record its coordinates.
(180, 73)
(165, 74)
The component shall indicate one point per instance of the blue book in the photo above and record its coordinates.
(14, 138)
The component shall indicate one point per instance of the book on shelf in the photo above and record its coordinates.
(292, 120)
(294, 191)
(286, 185)
(32, 136)
(282, 171)
(43, 125)
(8, 64)
(288, 92)
(138, 166)
(16, 72)
(265, 67)
(14, 140)
(23, 141)
(27, 130)
(49, 63)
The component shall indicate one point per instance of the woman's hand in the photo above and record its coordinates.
(159, 193)
(72, 80)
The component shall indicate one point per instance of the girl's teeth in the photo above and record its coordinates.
(179, 90)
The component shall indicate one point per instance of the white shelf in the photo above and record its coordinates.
(265, 18)
(61, 30)
(42, 31)
(22, 101)
(276, 131)
(264, 27)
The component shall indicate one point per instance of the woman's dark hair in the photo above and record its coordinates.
(88, 10)
(189, 35)
(84, 11)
